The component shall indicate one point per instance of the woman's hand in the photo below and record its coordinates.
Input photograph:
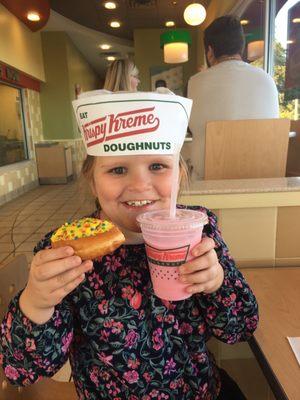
(54, 273)
(204, 273)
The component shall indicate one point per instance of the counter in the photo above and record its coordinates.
(259, 218)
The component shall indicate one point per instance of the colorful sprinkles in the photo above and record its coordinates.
(81, 228)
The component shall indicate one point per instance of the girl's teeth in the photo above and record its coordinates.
(138, 203)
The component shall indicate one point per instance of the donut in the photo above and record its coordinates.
(89, 237)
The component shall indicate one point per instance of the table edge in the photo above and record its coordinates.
(269, 374)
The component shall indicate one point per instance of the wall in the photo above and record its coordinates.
(21, 48)
(148, 54)
(55, 98)
(64, 66)
(218, 8)
(79, 72)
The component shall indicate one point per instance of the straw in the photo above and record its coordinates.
(175, 178)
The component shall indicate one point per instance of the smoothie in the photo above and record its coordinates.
(169, 242)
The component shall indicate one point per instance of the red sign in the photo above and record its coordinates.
(17, 78)
(114, 126)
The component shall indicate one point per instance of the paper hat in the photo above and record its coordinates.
(114, 124)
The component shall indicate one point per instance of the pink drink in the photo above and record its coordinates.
(169, 242)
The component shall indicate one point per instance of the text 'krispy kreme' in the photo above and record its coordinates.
(167, 257)
(114, 126)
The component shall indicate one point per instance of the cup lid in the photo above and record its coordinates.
(160, 220)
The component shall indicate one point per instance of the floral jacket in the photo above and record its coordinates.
(125, 343)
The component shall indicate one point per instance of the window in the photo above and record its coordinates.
(287, 57)
(12, 131)
(283, 52)
(253, 21)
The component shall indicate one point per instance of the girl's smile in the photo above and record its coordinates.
(139, 203)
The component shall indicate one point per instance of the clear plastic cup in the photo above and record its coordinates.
(169, 242)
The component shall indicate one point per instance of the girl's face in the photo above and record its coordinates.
(127, 186)
(134, 79)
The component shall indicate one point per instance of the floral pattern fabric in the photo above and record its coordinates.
(125, 343)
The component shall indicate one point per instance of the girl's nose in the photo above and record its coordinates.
(139, 182)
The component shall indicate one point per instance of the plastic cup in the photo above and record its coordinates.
(169, 242)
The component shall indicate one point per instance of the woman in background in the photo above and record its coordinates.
(122, 75)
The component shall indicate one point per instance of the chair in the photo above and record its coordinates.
(13, 277)
(293, 158)
(243, 149)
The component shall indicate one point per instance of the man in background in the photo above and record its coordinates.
(160, 83)
(230, 89)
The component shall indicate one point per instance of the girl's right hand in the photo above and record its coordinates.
(54, 273)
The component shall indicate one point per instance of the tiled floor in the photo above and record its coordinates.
(25, 220)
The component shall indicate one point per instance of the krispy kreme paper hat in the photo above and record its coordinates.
(132, 123)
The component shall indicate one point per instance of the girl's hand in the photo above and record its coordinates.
(204, 273)
(54, 273)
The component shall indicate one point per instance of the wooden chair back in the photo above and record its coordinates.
(243, 149)
(13, 277)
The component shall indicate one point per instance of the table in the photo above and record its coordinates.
(278, 294)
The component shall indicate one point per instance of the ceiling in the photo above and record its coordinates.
(88, 40)
(133, 14)
(86, 23)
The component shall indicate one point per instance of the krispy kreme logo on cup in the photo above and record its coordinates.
(132, 123)
(167, 257)
(116, 126)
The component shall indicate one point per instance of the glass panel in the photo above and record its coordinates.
(253, 21)
(287, 57)
(12, 137)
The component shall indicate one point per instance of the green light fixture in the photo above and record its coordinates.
(176, 46)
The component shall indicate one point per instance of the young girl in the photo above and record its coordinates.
(124, 342)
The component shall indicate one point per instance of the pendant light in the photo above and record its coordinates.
(255, 50)
(194, 14)
(176, 46)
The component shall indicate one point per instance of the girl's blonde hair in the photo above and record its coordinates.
(118, 76)
(88, 166)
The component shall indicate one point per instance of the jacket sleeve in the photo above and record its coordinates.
(232, 311)
(29, 351)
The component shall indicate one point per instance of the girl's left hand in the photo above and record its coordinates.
(204, 273)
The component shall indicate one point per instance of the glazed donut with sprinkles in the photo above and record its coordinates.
(89, 237)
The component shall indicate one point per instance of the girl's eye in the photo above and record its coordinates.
(117, 171)
(156, 166)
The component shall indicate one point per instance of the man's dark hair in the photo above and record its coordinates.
(225, 35)
(160, 83)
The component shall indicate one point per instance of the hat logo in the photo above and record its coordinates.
(115, 126)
